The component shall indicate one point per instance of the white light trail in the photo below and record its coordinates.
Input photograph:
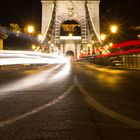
(64, 72)
(28, 57)
(27, 82)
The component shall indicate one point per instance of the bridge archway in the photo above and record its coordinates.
(56, 13)
(70, 53)
(70, 37)
(70, 27)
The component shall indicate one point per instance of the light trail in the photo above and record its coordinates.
(29, 57)
(28, 82)
(64, 72)
(125, 44)
(120, 53)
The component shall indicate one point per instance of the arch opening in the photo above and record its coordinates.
(70, 27)
(70, 53)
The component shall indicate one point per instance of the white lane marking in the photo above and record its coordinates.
(95, 104)
(20, 117)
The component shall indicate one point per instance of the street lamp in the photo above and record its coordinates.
(113, 28)
(70, 34)
(111, 44)
(33, 47)
(89, 45)
(103, 37)
(52, 45)
(107, 47)
(30, 29)
(40, 37)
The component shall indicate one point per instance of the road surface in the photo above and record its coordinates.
(70, 102)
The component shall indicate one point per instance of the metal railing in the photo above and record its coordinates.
(128, 61)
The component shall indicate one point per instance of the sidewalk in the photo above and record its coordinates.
(112, 67)
(122, 68)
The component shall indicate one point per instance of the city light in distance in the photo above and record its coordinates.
(103, 37)
(33, 47)
(111, 44)
(40, 37)
(114, 29)
(30, 29)
(70, 34)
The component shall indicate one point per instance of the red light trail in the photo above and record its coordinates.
(123, 45)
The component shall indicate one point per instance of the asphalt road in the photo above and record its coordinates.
(70, 102)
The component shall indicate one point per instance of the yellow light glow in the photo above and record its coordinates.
(52, 45)
(40, 37)
(30, 29)
(107, 47)
(114, 28)
(70, 34)
(103, 37)
(89, 45)
(110, 44)
(33, 47)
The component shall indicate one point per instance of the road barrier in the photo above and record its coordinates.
(124, 61)
(17, 67)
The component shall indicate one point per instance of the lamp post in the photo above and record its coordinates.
(33, 47)
(40, 37)
(114, 29)
(30, 29)
(103, 37)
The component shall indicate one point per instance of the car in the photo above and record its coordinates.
(117, 63)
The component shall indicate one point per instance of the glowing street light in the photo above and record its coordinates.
(70, 34)
(107, 47)
(111, 44)
(33, 47)
(30, 29)
(103, 37)
(113, 28)
(52, 45)
(40, 37)
(89, 45)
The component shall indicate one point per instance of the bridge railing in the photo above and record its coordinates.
(123, 61)
(17, 67)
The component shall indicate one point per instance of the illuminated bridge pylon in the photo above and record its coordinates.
(71, 27)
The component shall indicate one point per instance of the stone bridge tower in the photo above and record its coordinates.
(81, 13)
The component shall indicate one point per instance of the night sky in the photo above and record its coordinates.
(125, 13)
